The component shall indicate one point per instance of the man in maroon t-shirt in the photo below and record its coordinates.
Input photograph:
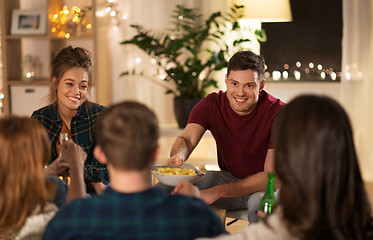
(240, 121)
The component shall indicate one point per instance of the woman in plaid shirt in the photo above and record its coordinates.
(70, 111)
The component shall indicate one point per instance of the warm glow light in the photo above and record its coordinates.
(138, 60)
(212, 167)
(298, 64)
(297, 75)
(28, 74)
(60, 18)
(348, 75)
(322, 75)
(285, 74)
(333, 75)
(202, 76)
(100, 13)
(311, 65)
(265, 10)
(276, 75)
(319, 67)
(359, 74)
(162, 76)
(113, 13)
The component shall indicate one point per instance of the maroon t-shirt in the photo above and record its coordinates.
(242, 141)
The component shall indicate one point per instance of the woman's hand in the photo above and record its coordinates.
(72, 154)
(99, 187)
(261, 215)
(187, 189)
(57, 168)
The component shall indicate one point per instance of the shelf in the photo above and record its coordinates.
(17, 37)
(34, 82)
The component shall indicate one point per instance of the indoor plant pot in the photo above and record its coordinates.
(182, 109)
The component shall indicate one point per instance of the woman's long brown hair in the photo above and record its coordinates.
(322, 193)
(24, 149)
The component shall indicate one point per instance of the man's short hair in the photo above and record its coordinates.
(245, 60)
(128, 134)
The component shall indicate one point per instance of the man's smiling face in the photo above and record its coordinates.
(243, 88)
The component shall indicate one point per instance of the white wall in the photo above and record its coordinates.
(288, 90)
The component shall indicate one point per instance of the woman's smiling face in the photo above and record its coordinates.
(243, 88)
(72, 89)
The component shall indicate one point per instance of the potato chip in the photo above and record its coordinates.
(175, 171)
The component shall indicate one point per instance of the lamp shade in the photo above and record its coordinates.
(266, 10)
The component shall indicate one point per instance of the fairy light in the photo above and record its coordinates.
(285, 74)
(65, 22)
(322, 75)
(276, 75)
(114, 12)
(297, 75)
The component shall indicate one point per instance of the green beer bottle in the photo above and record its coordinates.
(268, 201)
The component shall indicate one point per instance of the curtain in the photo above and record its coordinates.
(357, 79)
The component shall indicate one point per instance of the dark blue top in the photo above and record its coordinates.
(152, 214)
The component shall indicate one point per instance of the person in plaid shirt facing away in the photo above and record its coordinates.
(72, 113)
(130, 208)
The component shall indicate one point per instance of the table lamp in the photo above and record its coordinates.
(257, 11)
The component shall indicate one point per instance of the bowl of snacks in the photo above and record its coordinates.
(172, 174)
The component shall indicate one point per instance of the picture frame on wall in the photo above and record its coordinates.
(28, 22)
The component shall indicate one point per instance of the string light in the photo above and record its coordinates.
(66, 23)
(114, 12)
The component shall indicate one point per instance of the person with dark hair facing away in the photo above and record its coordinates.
(71, 112)
(322, 193)
(240, 121)
(127, 141)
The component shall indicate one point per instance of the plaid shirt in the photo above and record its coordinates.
(152, 214)
(82, 127)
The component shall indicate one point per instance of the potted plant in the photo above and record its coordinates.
(189, 54)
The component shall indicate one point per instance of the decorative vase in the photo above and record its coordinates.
(28, 68)
(182, 109)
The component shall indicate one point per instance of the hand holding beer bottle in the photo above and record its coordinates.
(268, 201)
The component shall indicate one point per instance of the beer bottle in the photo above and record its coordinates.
(268, 201)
